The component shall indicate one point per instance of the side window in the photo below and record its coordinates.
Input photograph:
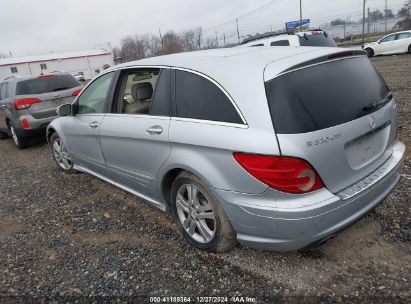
(135, 91)
(280, 43)
(13, 70)
(199, 98)
(161, 104)
(403, 36)
(388, 39)
(93, 99)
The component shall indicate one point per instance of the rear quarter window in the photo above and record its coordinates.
(46, 84)
(324, 95)
(198, 98)
(317, 40)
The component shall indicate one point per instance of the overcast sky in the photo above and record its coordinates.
(29, 27)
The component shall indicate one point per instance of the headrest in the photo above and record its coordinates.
(142, 91)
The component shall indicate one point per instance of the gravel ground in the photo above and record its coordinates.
(76, 238)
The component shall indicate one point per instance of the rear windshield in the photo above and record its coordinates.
(325, 95)
(46, 84)
(317, 40)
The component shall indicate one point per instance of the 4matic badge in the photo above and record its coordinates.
(323, 140)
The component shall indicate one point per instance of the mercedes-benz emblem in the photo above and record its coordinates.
(371, 121)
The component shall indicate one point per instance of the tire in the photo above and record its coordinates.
(409, 49)
(3, 135)
(60, 154)
(20, 142)
(212, 230)
(370, 52)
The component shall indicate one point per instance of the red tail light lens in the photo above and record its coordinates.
(25, 124)
(25, 103)
(287, 174)
(76, 92)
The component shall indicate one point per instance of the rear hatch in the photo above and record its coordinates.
(337, 113)
(316, 38)
(51, 91)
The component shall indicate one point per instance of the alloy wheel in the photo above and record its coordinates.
(14, 136)
(196, 213)
(61, 155)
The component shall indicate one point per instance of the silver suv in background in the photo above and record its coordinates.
(279, 148)
(28, 104)
(317, 38)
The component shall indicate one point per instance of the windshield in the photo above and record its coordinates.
(325, 95)
(46, 84)
(317, 40)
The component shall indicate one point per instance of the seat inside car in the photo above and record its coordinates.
(142, 94)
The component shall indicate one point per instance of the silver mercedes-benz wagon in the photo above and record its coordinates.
(278, 148)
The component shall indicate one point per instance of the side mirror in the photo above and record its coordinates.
(64, 110)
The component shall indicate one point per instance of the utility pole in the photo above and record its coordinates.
(386, 9)
(368, 24)
(224, 40)
(161, 38)
(345, 23)
(238, 32)
(301, 16)
(363, 23)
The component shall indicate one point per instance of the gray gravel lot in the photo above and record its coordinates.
(73, 236)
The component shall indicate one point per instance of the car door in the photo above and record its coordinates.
(82, 129)
(402, 43)
(134, 137)
(386, 45)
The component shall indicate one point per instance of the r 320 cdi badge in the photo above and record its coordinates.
(277, 148)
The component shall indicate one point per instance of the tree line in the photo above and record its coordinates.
(149, 45)
(375, 15)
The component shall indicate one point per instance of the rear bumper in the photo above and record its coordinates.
(272, 221)
(36, 126)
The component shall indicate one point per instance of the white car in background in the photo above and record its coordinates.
(305, 38)
(396, 43)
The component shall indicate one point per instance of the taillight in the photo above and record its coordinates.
(75, 93)
(24, 103)
(287, 174)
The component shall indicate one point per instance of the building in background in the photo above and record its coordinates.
(86, 63)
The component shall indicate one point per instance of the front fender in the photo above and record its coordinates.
(57, 125)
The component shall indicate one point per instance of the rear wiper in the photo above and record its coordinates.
(379, 104)
(61, 89)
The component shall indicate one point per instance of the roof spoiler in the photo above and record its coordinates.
(265, 36)
(335, 56)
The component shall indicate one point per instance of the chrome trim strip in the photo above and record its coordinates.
(149, 199)
(136, 116)
(210, 122)
(392, 164)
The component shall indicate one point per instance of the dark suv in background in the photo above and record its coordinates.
(28, 104)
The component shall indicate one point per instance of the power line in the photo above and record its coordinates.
(244, 15)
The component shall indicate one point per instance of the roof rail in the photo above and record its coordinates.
(265, 36)
(10, 77)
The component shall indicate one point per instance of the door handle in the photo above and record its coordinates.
(94, 124)
(155, 130)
